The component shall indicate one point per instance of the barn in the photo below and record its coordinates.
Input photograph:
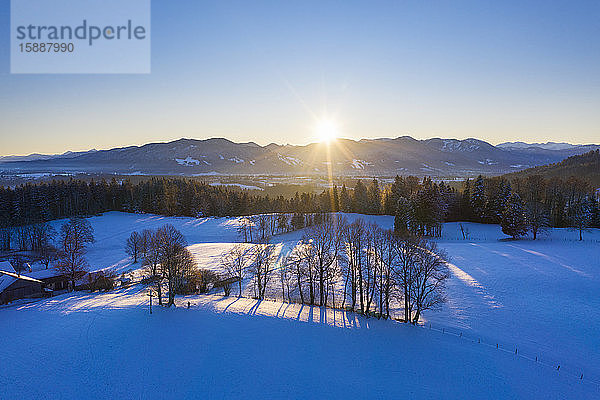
(14, 286)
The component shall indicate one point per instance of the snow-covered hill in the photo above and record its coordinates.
(539, 297)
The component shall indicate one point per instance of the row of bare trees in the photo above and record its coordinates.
(166, 259)
(367, 267)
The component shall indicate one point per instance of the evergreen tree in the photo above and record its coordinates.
(345, 200)
(403, 218)
(360, 200)
(373, 198)
(514, 220)
(478, 199)
(336, 199)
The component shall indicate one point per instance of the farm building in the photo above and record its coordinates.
(14, 286)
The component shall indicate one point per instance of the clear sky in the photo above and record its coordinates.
(266, 71)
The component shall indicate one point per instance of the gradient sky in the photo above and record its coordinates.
(265, 71)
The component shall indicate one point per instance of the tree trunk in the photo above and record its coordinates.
(159, 290)
(406, 311)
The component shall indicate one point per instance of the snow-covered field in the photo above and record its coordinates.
(541, 297)
(107, 346)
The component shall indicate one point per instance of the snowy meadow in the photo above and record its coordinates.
(516, 310)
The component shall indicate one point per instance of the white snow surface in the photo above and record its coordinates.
(188, 161)
(107, 346)
(241, 186)
(360, 164)
(293, 161)
(539, 297)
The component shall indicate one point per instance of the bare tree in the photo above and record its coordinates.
(175, 259)
(245, 229)
(355, 257)
(262, 267)
(385, 257)
(74, 237)
(429, 279)
(262, 224)
(322, 244)
(405, 270)
(286, 277)
(41, 235)
(145, 242)
(235, 263)
(294, 266)
(134, 245)
(48, 254)
(152, 260)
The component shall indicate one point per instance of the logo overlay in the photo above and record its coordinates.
(80, 36)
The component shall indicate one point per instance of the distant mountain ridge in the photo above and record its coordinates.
(367, 157)
(38, 157)
(583, 166)
(545, 146)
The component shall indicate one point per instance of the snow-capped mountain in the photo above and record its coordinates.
(371, 157)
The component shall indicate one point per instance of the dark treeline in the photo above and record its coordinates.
(529, 204)
(33, 204)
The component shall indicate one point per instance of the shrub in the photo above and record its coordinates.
(104, 282)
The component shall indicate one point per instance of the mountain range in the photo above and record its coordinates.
(342, 157)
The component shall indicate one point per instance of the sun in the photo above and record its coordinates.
(326, 130)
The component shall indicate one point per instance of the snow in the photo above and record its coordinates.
(546, 146)
(360, 164)
(6, 280)
(451, 145)
(188, 161)
(249, 187)
(112, 229)
(236, 160)
(289, 160)
(107, 346)
(540, 297)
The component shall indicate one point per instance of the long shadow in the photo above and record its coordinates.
(280, 307)
(254, 308)
(230, 304)
(300, 312)
(323, 315)
(351, 318)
